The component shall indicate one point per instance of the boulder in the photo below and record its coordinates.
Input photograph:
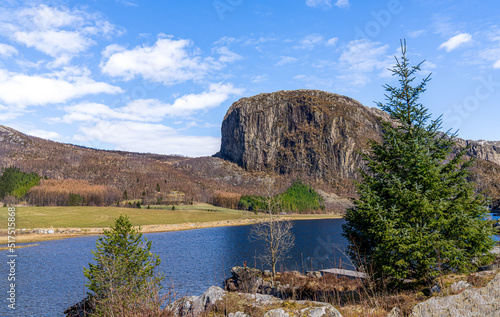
(83, 308)
(245, 279)
(280, 312)
(395, 312)
(268, 305)
(458, 286)
(314, 274)
(484, 302)
(323, 311)
(195, 305)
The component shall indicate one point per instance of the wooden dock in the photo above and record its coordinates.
(343, 272)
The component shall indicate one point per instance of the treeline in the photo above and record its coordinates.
(299, 198)
(226, 199)
(15, 183)
(72, 192)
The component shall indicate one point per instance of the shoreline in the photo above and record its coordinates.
(67, 233)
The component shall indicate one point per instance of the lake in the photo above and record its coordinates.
(49, 276)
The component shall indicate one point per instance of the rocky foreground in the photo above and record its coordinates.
(464, 301)
(468, 301)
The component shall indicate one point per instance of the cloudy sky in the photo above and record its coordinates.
(158, 76)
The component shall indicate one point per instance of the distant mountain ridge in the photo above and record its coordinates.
(307, 134)
(315, 133)
(282, 130)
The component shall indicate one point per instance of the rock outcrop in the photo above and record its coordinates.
(235, 304)
(485, 150)
(319, 134)
(304, 131)
(483, 302)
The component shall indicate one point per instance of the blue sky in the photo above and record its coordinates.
(158, 76)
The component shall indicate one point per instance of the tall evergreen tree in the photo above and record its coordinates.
(417, 214)
(124, 268)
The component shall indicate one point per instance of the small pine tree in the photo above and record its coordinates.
(158, 189)
(124, 265)
(125, 195)
(417, 215)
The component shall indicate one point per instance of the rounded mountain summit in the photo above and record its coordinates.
(308, 132)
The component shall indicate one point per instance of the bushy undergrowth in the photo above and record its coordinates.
(299, 197)
(72, 192)
(16, 183)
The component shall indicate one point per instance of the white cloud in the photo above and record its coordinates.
(360, 59)
(9, 113)
(319, 3)
(257, 41)
(147, 137)
(168, 61)
(456, 41)
(32, 90)
(185, 105)
(58, 32)
(150, 110)
(259, 78)
(342, 3)
(227, 56)
(44, 134)
(310, 41)
(427, 66)
(7, 50)
(332, 42)
(491, 53)
(416, 33)
(286, 60)
(327, 3)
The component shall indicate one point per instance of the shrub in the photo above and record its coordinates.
(16, 183)
(123, 273)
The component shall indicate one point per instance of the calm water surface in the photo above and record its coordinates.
(49, 276)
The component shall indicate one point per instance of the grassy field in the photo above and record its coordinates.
(102, 217)
(90, 220)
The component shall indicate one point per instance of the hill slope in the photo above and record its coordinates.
(306, 134)
(319, 134)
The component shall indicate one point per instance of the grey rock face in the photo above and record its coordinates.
(280, 312)
(395, 312)
(486, 150)
(196, 305)
(324, 311)
(458, 286)
(484, 302)
(309, 131)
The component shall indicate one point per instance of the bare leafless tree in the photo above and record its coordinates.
(275, 232)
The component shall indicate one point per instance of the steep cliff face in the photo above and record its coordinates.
(319, 134)
(485, 150)
(305, 131)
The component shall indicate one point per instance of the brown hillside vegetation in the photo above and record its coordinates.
(138, 173)
(309, 135)
(58, 193)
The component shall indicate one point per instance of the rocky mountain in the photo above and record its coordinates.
(316, 133)
(307, 134)
(306, 131)
(137, 173)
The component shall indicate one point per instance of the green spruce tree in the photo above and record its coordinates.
(123, 274)
(417, 215)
